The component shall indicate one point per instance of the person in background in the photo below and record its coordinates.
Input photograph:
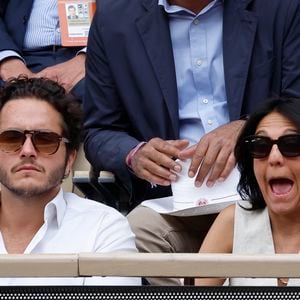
(72, 14)
(267, 222)
(165, 74)
(40, 133)
(31, 45)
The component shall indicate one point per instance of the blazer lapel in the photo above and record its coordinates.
(153, 28)
(19, 11)
(239, 29)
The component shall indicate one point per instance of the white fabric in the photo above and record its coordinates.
(73, 225)
(253, 235)
(188, 200)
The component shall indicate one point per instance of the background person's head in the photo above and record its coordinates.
(40, 132)
(275, 118)
(72, 11)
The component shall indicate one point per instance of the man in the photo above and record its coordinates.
(31, 44)
(72, 12)
(39, 136)
(169, 72)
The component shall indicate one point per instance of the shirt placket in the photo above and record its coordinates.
(38, 237)
(198, 43)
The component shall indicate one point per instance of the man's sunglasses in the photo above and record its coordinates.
(260, 146)
(43, 142)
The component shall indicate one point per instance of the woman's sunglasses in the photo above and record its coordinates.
(260, 146)
(43, 142)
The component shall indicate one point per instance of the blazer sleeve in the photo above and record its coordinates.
(290, 82)
(107, 139)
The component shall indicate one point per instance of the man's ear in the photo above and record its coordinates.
(71, 157)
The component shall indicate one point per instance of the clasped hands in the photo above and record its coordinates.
(213, 155)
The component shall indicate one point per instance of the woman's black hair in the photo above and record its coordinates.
(248, 187)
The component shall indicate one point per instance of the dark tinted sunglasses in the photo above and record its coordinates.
(260, 146)
(43, 142)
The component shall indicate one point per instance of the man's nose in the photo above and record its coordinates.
(28, 148)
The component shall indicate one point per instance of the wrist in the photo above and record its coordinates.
(12, 67)
(131, 154)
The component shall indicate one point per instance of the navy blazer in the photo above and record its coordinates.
(13, 23)
(131, 92)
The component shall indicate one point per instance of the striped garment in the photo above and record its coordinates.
(43, 25)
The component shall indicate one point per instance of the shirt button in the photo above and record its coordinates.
(58, 29)
(205, 101)
(209, 122)
(199, 62)
(196, 22)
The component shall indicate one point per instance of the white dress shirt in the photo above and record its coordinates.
(73, 225)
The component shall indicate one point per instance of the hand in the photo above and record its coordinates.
(154, 161)
(214, 154)
(13, 67)
(67, 73)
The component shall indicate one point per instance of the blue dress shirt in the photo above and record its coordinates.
(198, 56)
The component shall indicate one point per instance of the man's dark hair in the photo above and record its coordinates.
(248, 187)
(53, 93)
(71, 7)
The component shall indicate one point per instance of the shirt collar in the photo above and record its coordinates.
(175, 8)
(56, 209)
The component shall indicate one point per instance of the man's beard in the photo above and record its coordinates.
(54, 179)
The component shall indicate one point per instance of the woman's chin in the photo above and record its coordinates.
(283, 203)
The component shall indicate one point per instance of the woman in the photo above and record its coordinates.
(268, 222)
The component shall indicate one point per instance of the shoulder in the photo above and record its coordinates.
(115, 6)
(248, 218)
(276, 10)
(124, 8)
(267, 10)
(275, 4)
(224, 223)
(84, 205)
(107, 228)
(240, 210)
(227, 214)
(104, 219)
(219, 239)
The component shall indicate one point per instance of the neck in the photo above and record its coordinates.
(21, 218)
(19, 212)
(194, 6)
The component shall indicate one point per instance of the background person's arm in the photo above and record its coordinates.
(68, 73)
